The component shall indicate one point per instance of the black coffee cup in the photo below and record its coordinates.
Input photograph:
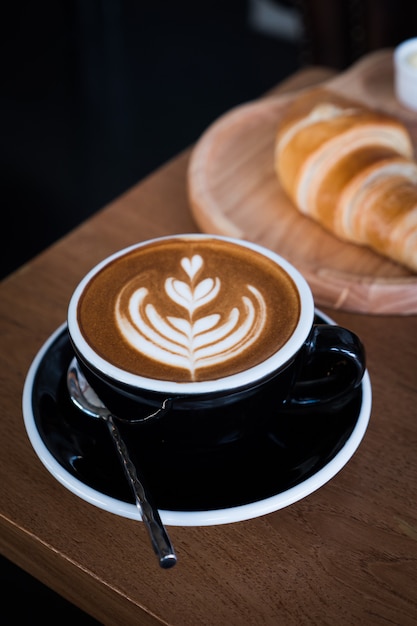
(257, 336)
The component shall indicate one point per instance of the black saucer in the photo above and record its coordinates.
(295, 455)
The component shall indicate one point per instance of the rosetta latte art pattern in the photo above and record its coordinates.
(192, 341)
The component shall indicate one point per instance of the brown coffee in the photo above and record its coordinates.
(188, 309)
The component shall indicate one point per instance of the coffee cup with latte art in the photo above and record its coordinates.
(188, 330)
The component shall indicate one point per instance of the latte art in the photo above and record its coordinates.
(194, 340)
(184, 310)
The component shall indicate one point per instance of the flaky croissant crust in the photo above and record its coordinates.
(352, 169)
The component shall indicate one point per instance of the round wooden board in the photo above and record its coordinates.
(233, 190)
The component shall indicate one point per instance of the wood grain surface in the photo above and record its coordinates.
(234, 190)
(345, 555)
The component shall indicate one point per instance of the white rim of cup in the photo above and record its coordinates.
(234, 381)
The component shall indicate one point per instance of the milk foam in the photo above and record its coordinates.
(190, 313)
(194, 340)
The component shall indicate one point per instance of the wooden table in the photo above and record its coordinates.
(347, 554)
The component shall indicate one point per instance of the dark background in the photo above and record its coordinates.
(96, 94)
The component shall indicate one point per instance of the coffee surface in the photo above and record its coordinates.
(188, 309)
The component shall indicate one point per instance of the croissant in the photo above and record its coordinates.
(352, 170)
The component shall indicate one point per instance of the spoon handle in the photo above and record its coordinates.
(149, 513)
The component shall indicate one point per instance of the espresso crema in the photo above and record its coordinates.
(188, 309)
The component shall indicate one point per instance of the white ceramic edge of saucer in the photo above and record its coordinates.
(192, 518)
(405, 73)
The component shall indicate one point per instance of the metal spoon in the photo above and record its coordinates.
(86, 399)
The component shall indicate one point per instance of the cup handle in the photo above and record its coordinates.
(331, 365)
